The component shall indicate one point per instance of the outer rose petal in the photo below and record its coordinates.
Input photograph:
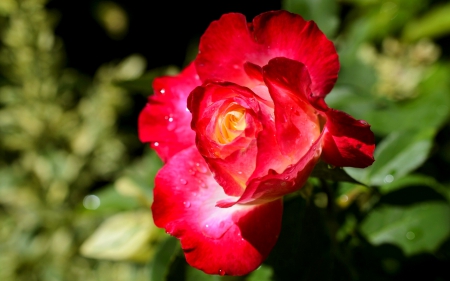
(231, 241)
(229, 43)
(347, 142)
(165, 120)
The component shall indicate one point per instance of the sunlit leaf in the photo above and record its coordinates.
(124, 236)
(396, 156)
(415, 229)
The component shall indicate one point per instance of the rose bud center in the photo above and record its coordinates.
(230, 124)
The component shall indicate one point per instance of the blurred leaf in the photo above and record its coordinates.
(112, 201)
(433, 92)
(124, 236)
(164, 256)
(327, 172)
(435, 23)
(143, 84)
(415, 229)
(263, 273)
(415, 180)
(143, 171)
(396, 156)
(415, 113)
(193, 274)
(323, 12)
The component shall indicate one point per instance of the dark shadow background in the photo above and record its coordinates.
(159, 30)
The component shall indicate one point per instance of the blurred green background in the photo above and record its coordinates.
(76, 183)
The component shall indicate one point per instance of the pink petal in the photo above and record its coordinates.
(347, 142)
(232, 241)
(165, 120)
(229, 43)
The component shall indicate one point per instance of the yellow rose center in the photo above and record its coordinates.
(230, 124)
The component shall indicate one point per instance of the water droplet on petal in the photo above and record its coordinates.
(183, 181)
(156, 144)
(202, 184)
(362, 122)
(201, 168)
(171, 126)
(187, 204)
(221, 272)
(162, 91)
(240, 173)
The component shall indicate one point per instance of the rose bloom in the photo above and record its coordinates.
(241, 126)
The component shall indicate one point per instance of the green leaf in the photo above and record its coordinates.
(193, 274)
(435, 23)
(415, 180)
(263, 273)
(124, 236)
(164, 256)
(396, 156)
(323, 12)
(415, 229)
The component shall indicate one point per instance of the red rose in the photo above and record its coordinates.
(240, 127)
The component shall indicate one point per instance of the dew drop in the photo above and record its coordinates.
(221, 272)
(183, 181)
(410, 235)
(388, 179)
(156, 144)
(171, 126)
(162, 91)
(187, 204)
(240, 173)
(201, 168)
(362, 122)
(201, 184)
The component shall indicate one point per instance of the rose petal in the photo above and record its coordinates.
(165, 120)
(231, 241)
(229, 43)
(296, 120)
(347, 142)
(233, 162)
